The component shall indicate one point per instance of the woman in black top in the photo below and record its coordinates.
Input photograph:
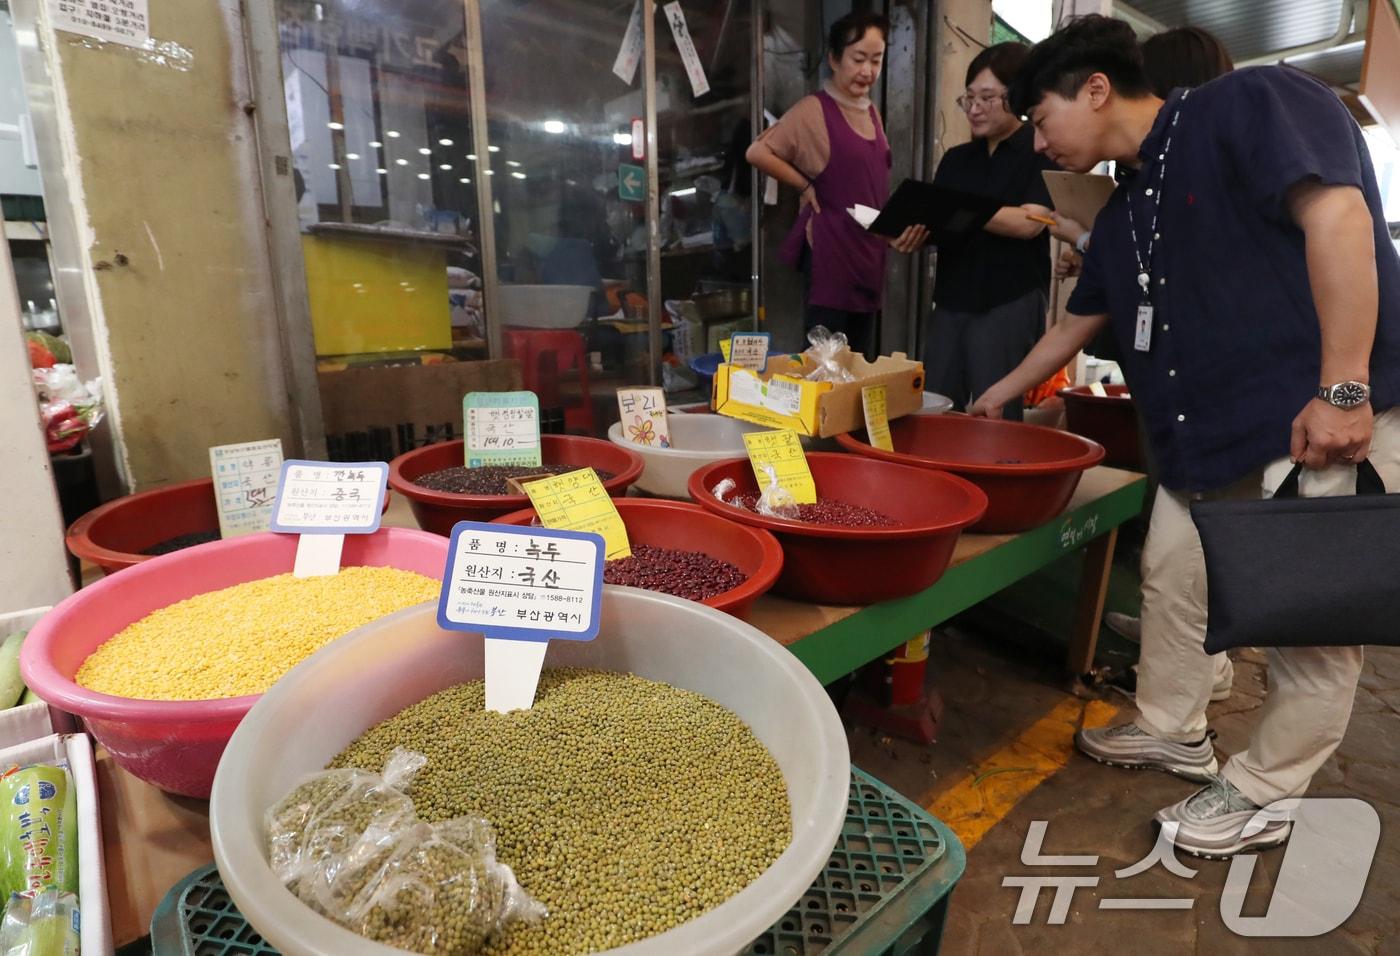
(991, 291)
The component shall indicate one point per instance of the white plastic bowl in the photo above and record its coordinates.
(544, 306)
(696, 441)
(935, 404)
(330, 699)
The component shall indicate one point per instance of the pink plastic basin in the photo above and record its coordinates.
(828, 564)
(1029, 473)
(176, 745)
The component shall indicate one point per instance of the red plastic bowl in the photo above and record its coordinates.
(176, 745)
(1028, 472)
(438, 511)
(1107, 419)
(112, 536)
(835, 565)
(688, 527)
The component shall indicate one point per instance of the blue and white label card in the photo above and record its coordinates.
(323, 497)
(522, 584)
(501, 428)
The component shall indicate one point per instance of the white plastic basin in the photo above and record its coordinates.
(544, 306)
(696, 441)
(334, 696)
(935, 404)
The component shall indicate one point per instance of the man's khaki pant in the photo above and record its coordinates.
(1310, 689)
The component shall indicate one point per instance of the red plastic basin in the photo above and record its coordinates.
(112, 536)
(687, 527)
(1028, 472)
(176, 745)
(835, 565)
(1107, 419)
(438, 511)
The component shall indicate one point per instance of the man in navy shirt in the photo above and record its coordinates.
(1246, 271)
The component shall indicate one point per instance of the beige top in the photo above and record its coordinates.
(799, 137)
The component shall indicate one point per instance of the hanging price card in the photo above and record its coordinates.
(782, 451)
(245, 484)
(324, 501)
(725, 346)
(520, 588)
(577, 501)
(644, 416)
(749, 350)
(502, 428)
(877, 416)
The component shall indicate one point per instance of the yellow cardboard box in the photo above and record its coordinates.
(781, 398)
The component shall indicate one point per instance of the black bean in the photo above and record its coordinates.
(491, 479)
(182, 541)
(828, 511)
(692, 575)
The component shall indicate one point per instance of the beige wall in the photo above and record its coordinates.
(159, 153)
(955, 52)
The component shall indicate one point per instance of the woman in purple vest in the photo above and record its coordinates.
(831, 147)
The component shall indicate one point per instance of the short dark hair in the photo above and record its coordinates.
(1186, 56)
(1062, 62)
(852, 28)
(1003, 59)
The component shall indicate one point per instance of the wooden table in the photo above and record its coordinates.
(834, 641)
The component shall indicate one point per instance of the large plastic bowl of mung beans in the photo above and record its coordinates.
(438, 511)
(687, 527)
(399, 660)
(831, 564)
(176, 744)
(1028, 472)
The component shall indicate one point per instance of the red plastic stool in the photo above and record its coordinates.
(543, 354)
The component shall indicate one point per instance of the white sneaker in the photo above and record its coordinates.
(1128, 745)
(1218, 821)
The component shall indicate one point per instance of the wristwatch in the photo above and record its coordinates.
(1345, 394)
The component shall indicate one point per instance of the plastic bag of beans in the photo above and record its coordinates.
(776, 501)
(350, 845)
(830, 352)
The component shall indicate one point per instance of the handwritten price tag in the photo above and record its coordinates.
(245, 485)
(502, 428)
(749, 350)
(874, 399)
(577, 501)
(644, 416)
(782, 450)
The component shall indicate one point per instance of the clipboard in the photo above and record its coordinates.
(1078, 196)
(950, 214)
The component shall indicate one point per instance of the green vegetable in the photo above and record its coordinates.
(29, 697)
(11, 685)
(38, 831)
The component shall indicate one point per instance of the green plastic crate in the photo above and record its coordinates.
(884, 892)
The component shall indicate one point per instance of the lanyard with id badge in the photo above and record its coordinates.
(1142, 328)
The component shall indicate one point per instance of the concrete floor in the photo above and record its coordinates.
(995, 686)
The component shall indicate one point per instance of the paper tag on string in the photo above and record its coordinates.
(577, 501)
(877, 417)
(694, 69)
(501, 428)
(520, 588)
(643, 412)
(782, 450)
(324, 501)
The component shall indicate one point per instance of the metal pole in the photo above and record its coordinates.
(653, 192)
(756, 99)
(485, 205)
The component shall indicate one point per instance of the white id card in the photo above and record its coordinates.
(1142, 336)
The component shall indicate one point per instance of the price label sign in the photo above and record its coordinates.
(502, 428)
(323, 501)
(643, 413)
(577, 501)
(874, 399)
(724, 348)
(782, 451)
(749, 350)
(1097, 389)
(246, 477)
(520, 588)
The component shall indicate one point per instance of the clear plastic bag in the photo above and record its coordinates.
(46, 925)
(830, 355)
(775, 501)
(724, 489)
(350, 845)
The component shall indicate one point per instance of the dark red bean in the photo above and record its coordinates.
(490, 479)
(829, 511)
(693, 575)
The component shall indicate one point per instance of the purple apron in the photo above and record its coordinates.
(848, 263)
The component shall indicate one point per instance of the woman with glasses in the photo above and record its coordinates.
(992, 289)
(831, 147)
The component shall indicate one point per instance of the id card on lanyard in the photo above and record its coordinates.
(1142, 333)
(1142, 328)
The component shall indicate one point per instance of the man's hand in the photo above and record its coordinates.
(990, 404)
(1324, 435)
(911, 239)
(1068, 264)
(1066, 229)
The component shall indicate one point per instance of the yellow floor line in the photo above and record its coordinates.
(976, 804)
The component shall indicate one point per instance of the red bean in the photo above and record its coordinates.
(490, 479)
(693, 575)
(829, 511)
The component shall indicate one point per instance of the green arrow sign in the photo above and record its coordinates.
(631, 183)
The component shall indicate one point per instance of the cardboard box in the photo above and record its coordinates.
(74, 749)
(782, 398)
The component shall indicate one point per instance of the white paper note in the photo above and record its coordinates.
(694, 69)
